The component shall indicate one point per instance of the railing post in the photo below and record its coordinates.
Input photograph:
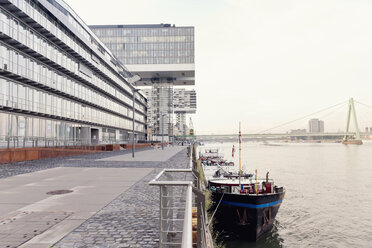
(187, 224)
(200, 204)
(169, 203)
(161, 218)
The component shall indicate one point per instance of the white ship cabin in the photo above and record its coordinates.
(248, 186)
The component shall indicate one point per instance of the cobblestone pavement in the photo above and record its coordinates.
(130, 220)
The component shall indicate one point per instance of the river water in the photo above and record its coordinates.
(328, 202)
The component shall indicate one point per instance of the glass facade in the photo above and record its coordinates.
(59, 84)
(148, 44)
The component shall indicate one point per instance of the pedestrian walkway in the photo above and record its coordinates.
(131, 220)
(105, 203)
(24, 197)
(148, 155)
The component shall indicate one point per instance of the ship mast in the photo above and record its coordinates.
(240, 156)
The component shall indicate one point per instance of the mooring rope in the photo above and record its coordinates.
(210, 221)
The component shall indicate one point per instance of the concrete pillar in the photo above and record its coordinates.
(85, 135)
(162, 104)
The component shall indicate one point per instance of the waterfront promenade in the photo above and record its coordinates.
(110, 203)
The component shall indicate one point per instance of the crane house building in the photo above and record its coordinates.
(163, 56)
(59, 84)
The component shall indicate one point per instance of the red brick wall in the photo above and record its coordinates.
(24, 154)
(141, 145)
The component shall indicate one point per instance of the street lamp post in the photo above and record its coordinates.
(162, 131)
(132, 80)
(134, 110)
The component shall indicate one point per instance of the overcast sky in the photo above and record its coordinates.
(261, 62)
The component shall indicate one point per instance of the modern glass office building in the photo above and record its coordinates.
(162, 55)
(148, 44)
(59, 85)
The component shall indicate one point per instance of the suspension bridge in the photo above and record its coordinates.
(351, 133)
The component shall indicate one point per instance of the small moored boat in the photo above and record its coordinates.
(211, 157)
(248, 208)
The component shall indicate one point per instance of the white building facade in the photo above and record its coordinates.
(59, 85)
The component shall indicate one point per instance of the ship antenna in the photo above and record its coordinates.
(240, 156)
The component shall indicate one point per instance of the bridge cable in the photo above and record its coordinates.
(369, 109)
(303, 117)
(331, 113)
(366, 105)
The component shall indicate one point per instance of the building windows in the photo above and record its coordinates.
(146, 45)
(61, 88)
(18, 96)
(46, 76)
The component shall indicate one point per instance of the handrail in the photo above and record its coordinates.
(170, 218)
(174, 183)
(154, 182)
(186, 241)
(187, 223)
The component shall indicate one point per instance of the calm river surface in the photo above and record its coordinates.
(329, 192)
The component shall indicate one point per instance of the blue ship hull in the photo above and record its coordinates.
(248, 216)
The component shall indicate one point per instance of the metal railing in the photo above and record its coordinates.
(25, 141)
(174, 207)
(179, 193)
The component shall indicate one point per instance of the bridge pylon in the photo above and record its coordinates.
(351, 111)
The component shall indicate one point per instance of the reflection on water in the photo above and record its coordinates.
(328, 193)
(270, 239)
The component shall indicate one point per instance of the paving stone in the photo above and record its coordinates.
(130, 220)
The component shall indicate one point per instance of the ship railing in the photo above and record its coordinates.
(260, 180)
(258, 184)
